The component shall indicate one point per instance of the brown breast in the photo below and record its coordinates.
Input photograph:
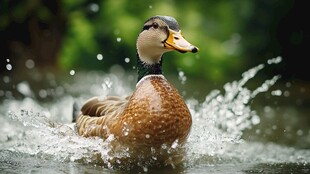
(156, 114)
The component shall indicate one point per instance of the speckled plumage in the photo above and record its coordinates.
(153, 115)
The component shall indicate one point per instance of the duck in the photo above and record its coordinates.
(154, 122)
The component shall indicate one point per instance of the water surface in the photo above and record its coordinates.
(228, 135)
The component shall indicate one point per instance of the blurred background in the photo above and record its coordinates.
(232, 35)
(65, 37)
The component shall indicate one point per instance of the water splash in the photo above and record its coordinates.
(218, 125)
(24, 88)
(182, 77)
(225, 116)
(50, 139)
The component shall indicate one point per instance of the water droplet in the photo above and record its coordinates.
(99, 56)
(9, 67)
(181, 73)
(29, 64)
(276, 92)
(145, 169)
(286, 93)
(164, 146)
(8, 94)
(175, 144)
(267, 109)
(299, 132)
(153, 150)
(147, 136)
(127, 60)
(118, 39)
(107, 84)
(24, 88)
(182, 77)
(43, 93)
(275, 60)
(6, 79)
(274, 127)
(72, 72)
(255, 120)
(126, 133)
(94, 7)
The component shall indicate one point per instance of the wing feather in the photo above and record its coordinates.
(95, 107)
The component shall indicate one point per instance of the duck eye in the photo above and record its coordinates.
(155, 25)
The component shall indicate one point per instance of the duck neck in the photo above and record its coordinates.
(145, 69)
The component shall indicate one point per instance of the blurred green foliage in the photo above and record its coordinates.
(111, 27)
(231, 35)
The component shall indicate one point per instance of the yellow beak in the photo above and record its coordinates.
(177, 42)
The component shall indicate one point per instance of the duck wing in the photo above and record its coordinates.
(97, 113)
(96, 107)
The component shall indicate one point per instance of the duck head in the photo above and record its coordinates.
(161, 34)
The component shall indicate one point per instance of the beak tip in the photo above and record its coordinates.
(195, 50)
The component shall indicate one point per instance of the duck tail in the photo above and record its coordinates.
(76, 111)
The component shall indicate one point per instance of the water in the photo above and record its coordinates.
(36, 135)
